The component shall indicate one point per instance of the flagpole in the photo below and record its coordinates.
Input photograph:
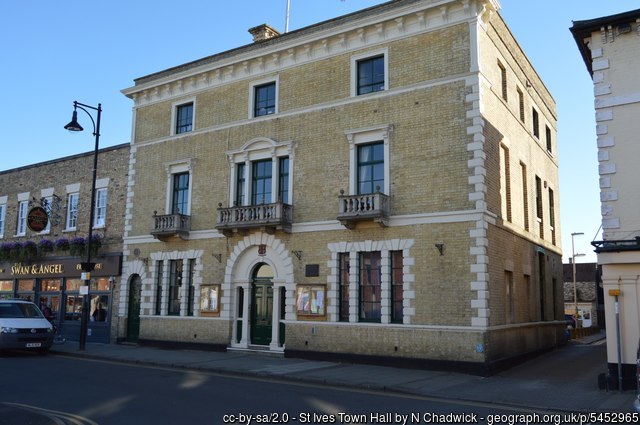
(286, 24)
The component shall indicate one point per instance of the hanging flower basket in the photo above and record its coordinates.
(15, 251)
(77, 246)
(45, 246)
(5, 251)
(29, 250)
(62, 244)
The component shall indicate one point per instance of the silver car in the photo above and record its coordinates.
(24, 327)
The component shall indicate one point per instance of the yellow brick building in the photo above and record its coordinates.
(382, 186)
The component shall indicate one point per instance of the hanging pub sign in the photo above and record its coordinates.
(37, 219)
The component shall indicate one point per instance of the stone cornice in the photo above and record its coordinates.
(405, 19)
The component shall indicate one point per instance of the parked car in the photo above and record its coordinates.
(24, 327)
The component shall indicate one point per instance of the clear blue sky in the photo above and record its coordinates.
(55, 52)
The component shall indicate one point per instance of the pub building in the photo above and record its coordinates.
(54, 285)
(44, 221)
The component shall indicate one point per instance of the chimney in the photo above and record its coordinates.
(263, 32)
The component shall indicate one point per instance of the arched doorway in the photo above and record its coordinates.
(261, 305)
(133, 318)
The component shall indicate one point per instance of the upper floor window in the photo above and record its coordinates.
(47, 203)
(521, 104)
(261, 170)
(535, 118)
(548, 138)
(21, 228)
(370, 168)
(369, 72)
(264, 99)
(552, 216)
(184, 118)
(240, 179)
(539, 205)
(369, 160)
(180, 194)
(3, 213)
(371, 76)
(503, 80)
(72, 211)
(261, 182)
(283, 184)
(100, 208)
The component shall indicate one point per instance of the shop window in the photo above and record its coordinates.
(310, 300)
(26, 289)
(73, 300)
(99, 308)
(6, 289)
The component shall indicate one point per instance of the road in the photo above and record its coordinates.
(83, 391)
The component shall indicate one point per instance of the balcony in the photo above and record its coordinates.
(267, 217)
(169, 225)
(369, 207)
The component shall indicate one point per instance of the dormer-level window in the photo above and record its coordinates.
(369, 72)
(371, 75)
(264, 99)
(184, 118)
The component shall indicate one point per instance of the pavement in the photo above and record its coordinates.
(564, 379)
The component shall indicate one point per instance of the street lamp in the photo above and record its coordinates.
(573, 263)
(87, 266)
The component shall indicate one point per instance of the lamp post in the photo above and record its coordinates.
(87, 266)
(573, 263)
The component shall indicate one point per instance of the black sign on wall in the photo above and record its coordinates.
(312, 270)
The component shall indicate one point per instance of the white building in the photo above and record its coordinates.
(610, 47)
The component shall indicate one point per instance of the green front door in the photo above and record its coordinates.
(133, 319)
(261, 311)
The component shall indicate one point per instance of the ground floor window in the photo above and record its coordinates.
(373, 278)
(343, 286)
(397, 287)
(175, 284)
(370, 286)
